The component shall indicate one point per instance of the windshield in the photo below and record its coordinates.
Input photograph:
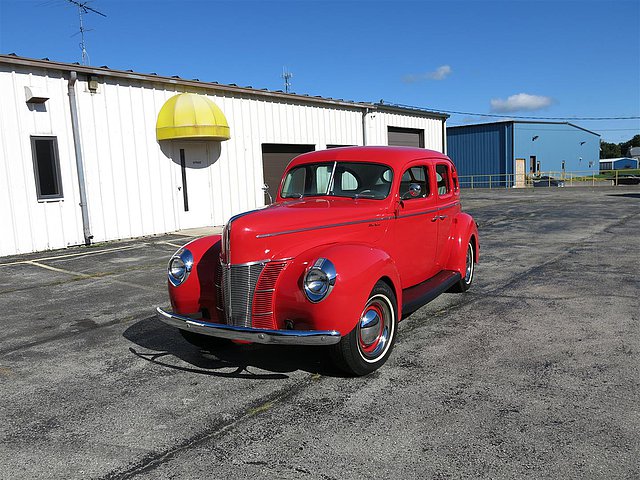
(340, 179)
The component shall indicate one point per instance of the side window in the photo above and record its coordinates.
(348, 182)
(414, 183)
(323, 174)
(46, 167)
(442, 177)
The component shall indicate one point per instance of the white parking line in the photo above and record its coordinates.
(60, 270)
(172, 244)
(97, 252)
(98, 276)
(70, 255)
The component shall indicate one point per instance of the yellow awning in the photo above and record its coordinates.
(188, 115)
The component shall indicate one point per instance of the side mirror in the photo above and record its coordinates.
(414, 191)
(265, 189)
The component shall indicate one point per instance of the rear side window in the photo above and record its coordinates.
(414, 183)
(443, 179)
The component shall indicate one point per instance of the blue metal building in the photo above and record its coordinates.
(618, 163)
(502, 149)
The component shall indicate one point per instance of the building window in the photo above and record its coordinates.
(46, 167)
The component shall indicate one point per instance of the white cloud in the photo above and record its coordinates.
(439, 73)
(520, 102)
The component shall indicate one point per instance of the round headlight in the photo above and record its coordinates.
(319, 280)
(180, 266)
(176, 268)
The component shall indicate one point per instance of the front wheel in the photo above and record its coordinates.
(367, 347)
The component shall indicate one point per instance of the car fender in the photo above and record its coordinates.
(358, 269)
(198, 291)
(464, 228)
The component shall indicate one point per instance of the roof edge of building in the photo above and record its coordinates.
(104, 71)
(391, 107)
(502, 122)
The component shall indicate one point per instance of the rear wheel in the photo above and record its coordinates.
(465, 282)
(367, 347)
(204, 341)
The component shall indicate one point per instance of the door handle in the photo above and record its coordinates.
(438, 217)
(442, 217)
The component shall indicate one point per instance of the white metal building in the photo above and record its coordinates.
(81, 160)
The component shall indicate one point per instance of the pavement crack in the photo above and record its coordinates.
(218, 429)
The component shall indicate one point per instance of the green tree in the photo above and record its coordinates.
(625, 146)
(609, 150)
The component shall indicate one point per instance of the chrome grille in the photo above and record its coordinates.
(238, 287)
(263, 307)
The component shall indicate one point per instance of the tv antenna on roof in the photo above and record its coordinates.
(83, 9)
(287, 76)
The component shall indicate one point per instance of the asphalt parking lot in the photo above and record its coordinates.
(535, 372)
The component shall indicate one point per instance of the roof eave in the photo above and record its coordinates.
(108, 72)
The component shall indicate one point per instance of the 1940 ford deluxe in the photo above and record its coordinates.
(357, 239)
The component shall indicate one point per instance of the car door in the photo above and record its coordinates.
(415, 234)
(447, 199)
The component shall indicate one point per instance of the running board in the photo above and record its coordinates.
(421, 294)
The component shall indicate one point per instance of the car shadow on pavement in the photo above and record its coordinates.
(164, 344)
(628, 195)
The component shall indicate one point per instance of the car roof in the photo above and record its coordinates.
(395, 157)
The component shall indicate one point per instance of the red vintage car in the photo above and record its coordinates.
(357, 239)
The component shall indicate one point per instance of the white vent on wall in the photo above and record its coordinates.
(36, 95)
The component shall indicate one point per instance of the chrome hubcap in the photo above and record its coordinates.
(375, 328)
(369, 327)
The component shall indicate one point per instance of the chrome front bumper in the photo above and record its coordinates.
(255, 335)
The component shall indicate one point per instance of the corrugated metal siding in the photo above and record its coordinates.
(623, 163)
(130, 181)
(481, 149)
(133, 181)
(555, 143)
(377, 123)
(30, 225)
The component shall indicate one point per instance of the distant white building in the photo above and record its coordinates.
(92, 154)
(634, 152)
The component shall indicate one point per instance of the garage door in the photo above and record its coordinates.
(275, 158)
(405, 137)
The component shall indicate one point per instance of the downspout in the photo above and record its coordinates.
(364, 126)
(75, 127)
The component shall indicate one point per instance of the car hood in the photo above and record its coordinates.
(286, 228)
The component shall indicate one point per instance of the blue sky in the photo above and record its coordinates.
(542, 58)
